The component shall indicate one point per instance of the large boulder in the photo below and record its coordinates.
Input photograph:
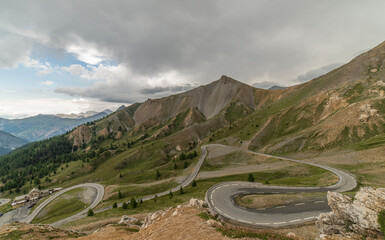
(197, 203)
(358, 215)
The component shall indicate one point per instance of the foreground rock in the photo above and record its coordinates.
(36, 232)
(198, 203)
(350, 217)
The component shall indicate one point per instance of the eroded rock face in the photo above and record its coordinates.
(198, 203)
(359, 215)
(127, 220)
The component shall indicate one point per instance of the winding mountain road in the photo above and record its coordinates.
(99, 196)
(220, 199)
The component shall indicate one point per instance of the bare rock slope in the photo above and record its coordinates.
(353, 216)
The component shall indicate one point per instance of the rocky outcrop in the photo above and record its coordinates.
(80, 136)
(129, 221)
(197, 203)
(358, 215)
(152, 218)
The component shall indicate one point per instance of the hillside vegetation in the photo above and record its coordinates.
(156, 140)
(8, 142)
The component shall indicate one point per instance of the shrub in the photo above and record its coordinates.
(120, 195)
(124, 206)
(90, 213)
(194, 183)
(115, 205)
(133, 203)
(381, 221)
(250, 178)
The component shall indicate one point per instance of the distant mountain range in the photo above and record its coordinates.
(45, 126)
(8, 142)
(82, 115)
(275, 87)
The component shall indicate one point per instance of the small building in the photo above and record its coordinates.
(34, 194)
(20, 201)
(44, 193)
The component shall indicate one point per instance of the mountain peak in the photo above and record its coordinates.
(225, 79)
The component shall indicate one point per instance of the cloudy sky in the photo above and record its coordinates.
(73, 56)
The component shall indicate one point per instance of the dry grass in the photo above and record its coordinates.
(272, 200)
(368, 166)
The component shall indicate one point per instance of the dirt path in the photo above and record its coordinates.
(4, 201)
(246, 144)
(88, 195)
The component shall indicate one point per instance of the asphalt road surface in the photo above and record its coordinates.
(15, 215)
(220, 198)
(4, 201)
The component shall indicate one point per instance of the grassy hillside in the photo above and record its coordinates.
(344, 108)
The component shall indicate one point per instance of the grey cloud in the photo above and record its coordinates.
(252, 41)
(122, 93)
(170, 89)
(311, 74)
(14, 50)
(108, 94)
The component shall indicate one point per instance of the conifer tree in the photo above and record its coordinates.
(133, 203)
(250, 178)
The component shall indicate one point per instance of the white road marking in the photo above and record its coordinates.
(308, 218)
(296, 220)
(279, 223)
(280, 207)
(319, 201)
(299, 204)
(262, 223)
